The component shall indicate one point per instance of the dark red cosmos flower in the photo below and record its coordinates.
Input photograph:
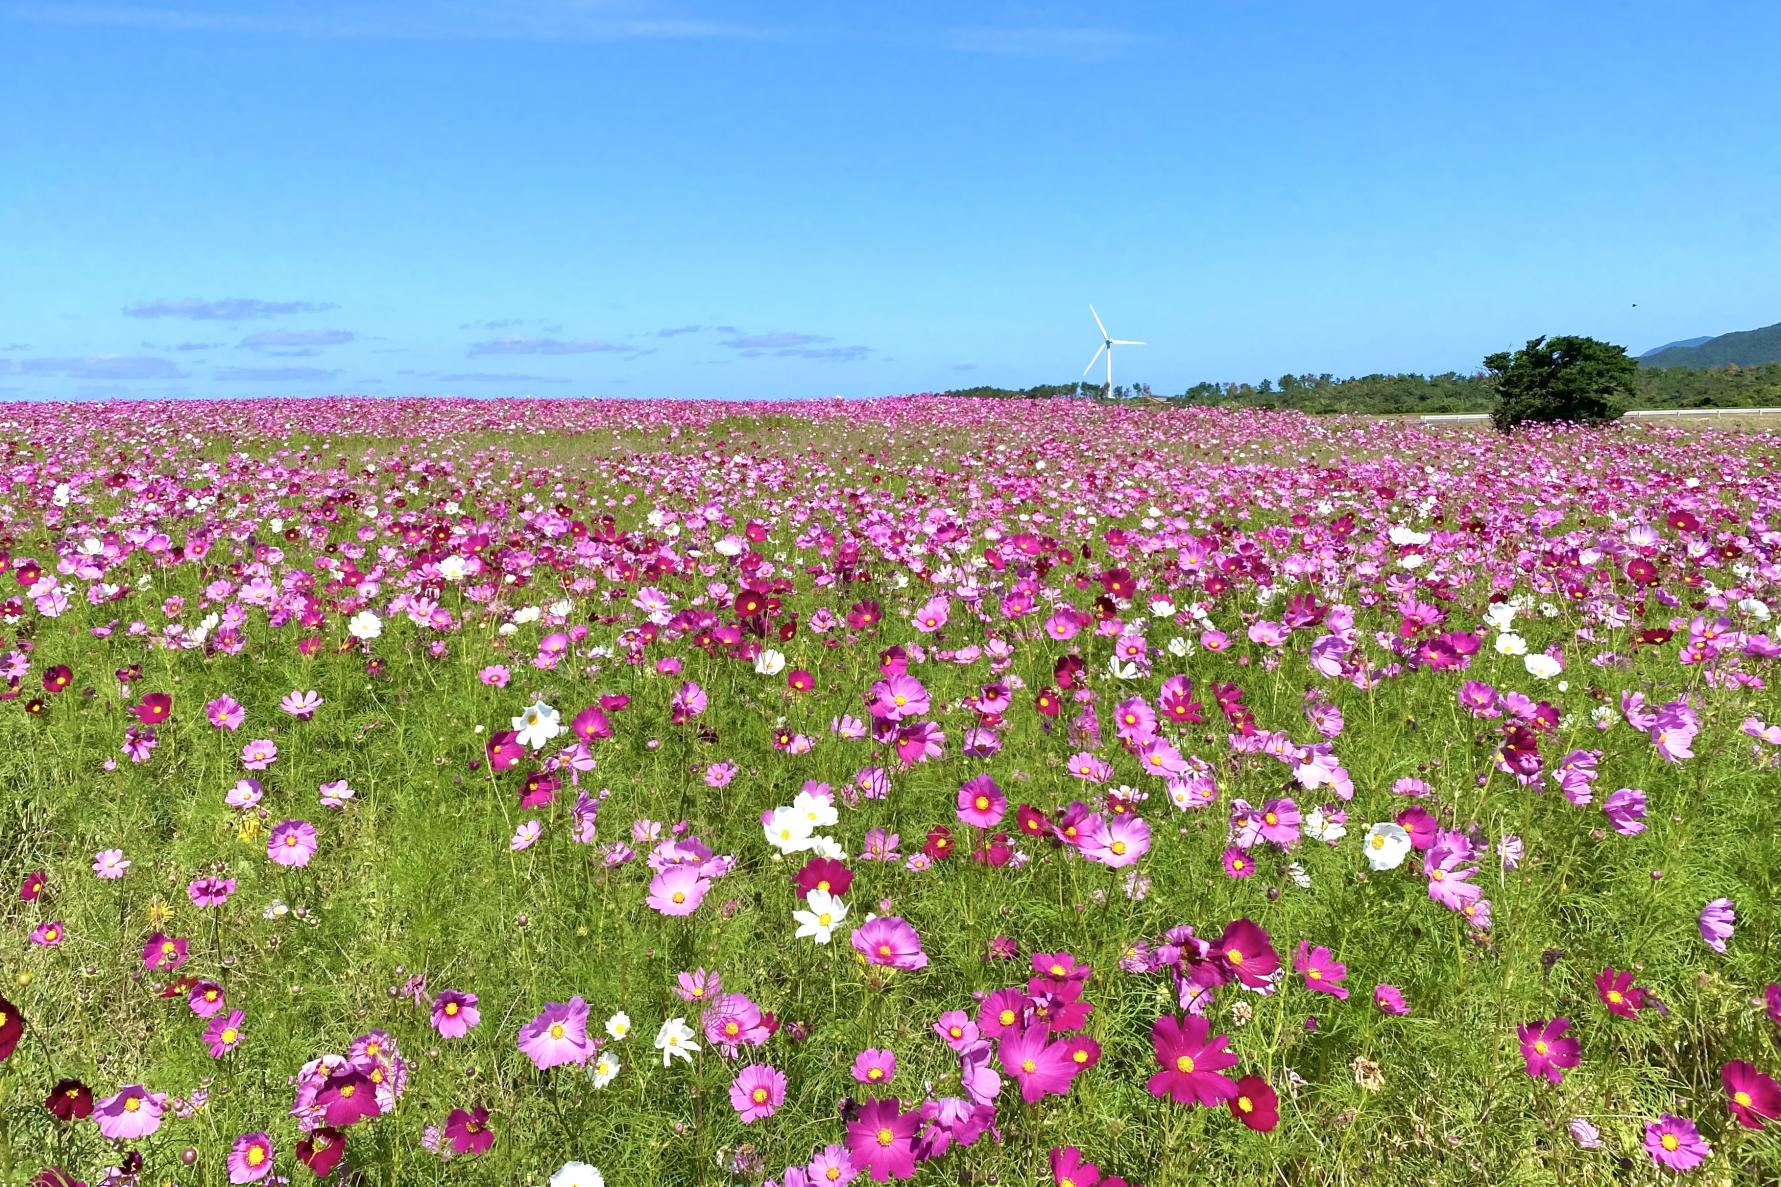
(1655, 636)
(12, 1026)
(1048, 702)
(1066, 670)
(57, 678)
(32, 886)
(864, 614)
(1245, 951)
(539, 788)
(1256, 1104)
(55, 1176)
(153, 709)
(322, 1150)
(993, 851)
(1618, 993)
(939, 844)
(1641, 572)
(823, 873)
(1421, 826)
(69, 1100)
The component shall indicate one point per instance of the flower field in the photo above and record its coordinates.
(963, 792)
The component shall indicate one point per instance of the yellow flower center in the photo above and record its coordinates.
(899, 700)
(168, 948)
(1314, 974)
(885, 1136)
(256, 1155)
(1670, 1142)
(230, 1034)
(1234, 955)
(1118, 848)
(1378, 840)
(1742, 1098)
(679, 896)
(1245, 1104)
(1184, 1064)
(884, 949)
(1237, 863)
(1271, 818)
(451, 1009)
(1027, 1066)
(1615, 997)
(1006, 1017)
(556, 1030)
(876, 1073)
(1540, 1047)
(981, 803)
(131, 1105)
(731, 1029)
(823, 886)
(824, 919)
(759, 1096)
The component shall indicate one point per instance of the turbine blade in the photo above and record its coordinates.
(1097, 317)
(1093, 361)
(1128, 342)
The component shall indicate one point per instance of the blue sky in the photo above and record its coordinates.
(792, 198)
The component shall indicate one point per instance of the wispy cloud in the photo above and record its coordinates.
(775, 340)
(677, 331)
(274, 374)
(503, 324)
(497, 377)
(547, 346)
(479, 20)
(227, 309)
(12, 346)
(96, 366)
(1041, 40)
(295, 342)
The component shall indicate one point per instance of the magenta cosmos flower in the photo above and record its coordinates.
(1191, 1062)
(163, 952)
(1717, 920)
(1674, 1143)
(1041, 1066)
(250, 1159)
(881, 1139)
(1753, 1097)
(557, 1035)
(757, 1091)
(292, 843)
(223, 1034)
(1323, 972)
(1547, 1051)
(874, 1066)
(981, 803)
(133, 1113)
(1246, 952)
(891, 941)
(454, 1013)
(468, 1130)
(678, 890)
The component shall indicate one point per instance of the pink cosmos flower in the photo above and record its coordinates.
(897, 697)
(757, 1092)
(678, 890)
(874, 1066)
(210, 892)
(225, 713)
(1390, 999)
(1115, 842)
(1717, 920)
(259, 754)
(1039, 1064)
(291, 843)
(454, 1013)
(250, 1158)
(110, 864)
(557, 1035)
(301, 705)
(164, 952)
(468, 1131)
(134, 1112)
(890, 941)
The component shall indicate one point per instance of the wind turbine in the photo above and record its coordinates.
(1108, 342)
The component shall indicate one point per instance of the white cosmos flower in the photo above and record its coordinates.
(1541, 666)
(769, 662)
(729, 546)
(1510, 643)
(604, 1069)
(1162, 608)
(1386, 846)
(453, 568)
(1122, 671)
(619, 1026)
(788, 830)
(1402, 536)
(365, 625)
(822, 913)
(1755, 608)
(1320, 828)
(828, 847)
(527, 614)
(577, 1174)
(1179, 647)
(1500, 616)
(820, 811)
(675, 1039)
(537, 724)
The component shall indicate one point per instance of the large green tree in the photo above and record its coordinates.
(1568, 378)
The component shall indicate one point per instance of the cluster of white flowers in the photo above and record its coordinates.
(792, 828)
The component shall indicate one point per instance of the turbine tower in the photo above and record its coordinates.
(1108, 342)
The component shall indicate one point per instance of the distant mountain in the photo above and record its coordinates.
(1746, 348)
(1674, 345)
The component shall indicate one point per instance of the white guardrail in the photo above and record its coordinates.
(1640, 413)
